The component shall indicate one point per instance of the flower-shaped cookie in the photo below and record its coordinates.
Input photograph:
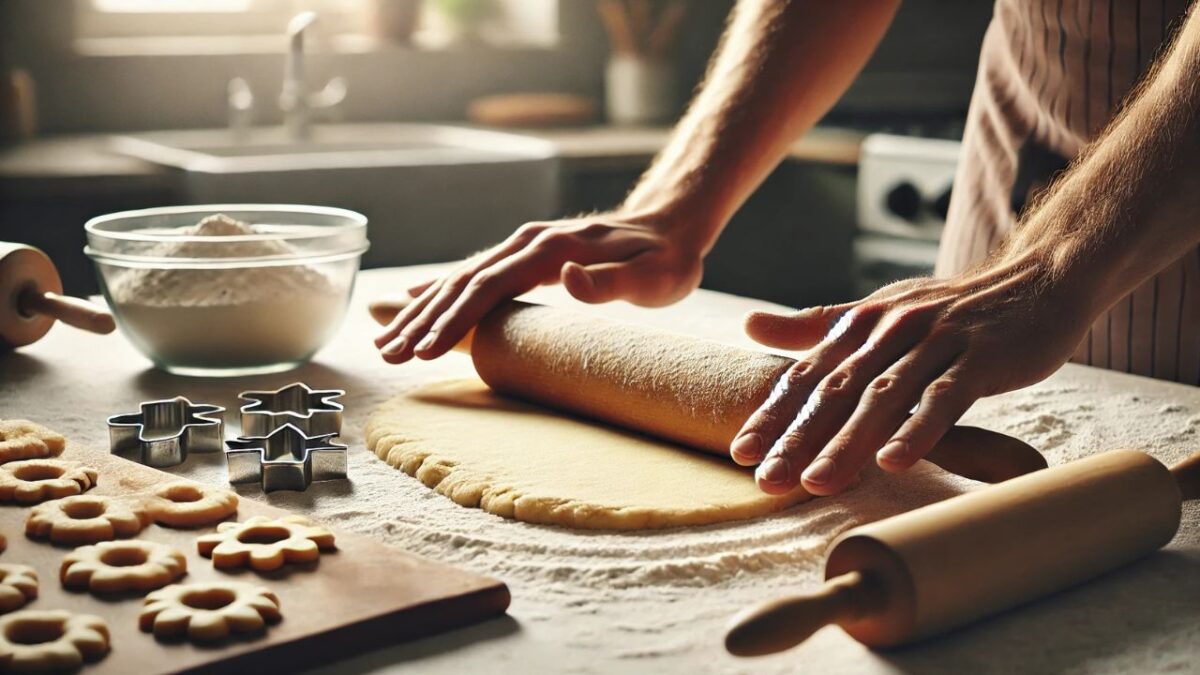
(50, 641)
(18, 586)
(22, 439)
(186, 504)
(32, 481)
(265, 543)
(119, 566)
(86, 519)
(210, 611)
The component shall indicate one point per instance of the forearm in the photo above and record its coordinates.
(781, 67)
(1130, 206)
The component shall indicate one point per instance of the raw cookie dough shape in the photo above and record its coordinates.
(22, 439)
(187, 505)
(208, 611)
(18, 587)
(86, 519)
(525, 462)
(120, 566)
(33, 481)
(265, 544)
(38, 641)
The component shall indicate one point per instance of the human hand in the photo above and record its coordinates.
(932, 343)
(597, 258)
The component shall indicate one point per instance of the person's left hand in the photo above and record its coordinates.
(939, 343)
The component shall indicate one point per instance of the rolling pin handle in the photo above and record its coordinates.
(784, 623)
(72, 311)
(383, 311)
(1187, 474)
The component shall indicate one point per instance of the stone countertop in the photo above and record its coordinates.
(657, 601)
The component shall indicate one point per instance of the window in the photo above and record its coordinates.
(222, 25)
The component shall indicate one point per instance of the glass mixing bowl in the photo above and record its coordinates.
(221, 299)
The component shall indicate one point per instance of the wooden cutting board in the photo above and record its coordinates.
(363, 596)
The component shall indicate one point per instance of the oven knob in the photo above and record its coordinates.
(903, 201)
(941, 205)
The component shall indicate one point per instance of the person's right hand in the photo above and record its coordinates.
(597, 258)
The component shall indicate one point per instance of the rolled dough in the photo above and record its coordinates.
(524, 462)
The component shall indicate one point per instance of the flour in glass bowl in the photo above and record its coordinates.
(228, 317)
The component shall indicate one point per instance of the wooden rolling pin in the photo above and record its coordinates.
(694, 392)
(935, 568)
(31, 299)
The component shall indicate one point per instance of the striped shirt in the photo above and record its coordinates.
(1051, 75)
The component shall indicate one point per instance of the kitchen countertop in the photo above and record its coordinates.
(85, 162)
(656, 601)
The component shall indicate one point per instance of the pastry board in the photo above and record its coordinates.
(363, 596)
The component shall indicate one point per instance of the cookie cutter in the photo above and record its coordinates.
(164, 432)
(285, 459)
(312, 411)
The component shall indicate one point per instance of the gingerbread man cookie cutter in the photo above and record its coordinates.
(163, 432)
(313, 411)
(285, 459)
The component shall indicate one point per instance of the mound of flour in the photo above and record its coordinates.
(190, 287)
(227, 317)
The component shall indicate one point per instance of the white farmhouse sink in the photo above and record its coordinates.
(431, 192)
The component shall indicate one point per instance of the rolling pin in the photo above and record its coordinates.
(694, 392)
(31, 299)
(945, 565)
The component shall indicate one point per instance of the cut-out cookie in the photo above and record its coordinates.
(33, 481)
(86, 519)
(184, 504)
(210, 611)
(18, 587)
(22, 439)
(264, 543)
(39, 641)
(119, 566)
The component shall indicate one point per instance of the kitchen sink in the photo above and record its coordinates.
(432, 192)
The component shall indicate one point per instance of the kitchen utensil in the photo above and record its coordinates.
(228, 304)
(313, 411)
(360, 598)
(31, 298)
(285, 459)
(647, 380)
(163, 432)
(935, 568)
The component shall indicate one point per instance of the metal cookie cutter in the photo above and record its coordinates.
(285, 459)
(164, 432)
(312, 411)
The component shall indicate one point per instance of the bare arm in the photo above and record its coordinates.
(783, 64)
(1124, 211)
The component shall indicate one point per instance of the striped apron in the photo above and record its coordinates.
(1052, 73)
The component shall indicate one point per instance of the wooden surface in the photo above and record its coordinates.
(364, 595)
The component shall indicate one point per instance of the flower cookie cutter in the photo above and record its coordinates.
(313, 411)
(285, 459)
(164, 432)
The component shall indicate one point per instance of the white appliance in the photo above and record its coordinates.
(904, 187)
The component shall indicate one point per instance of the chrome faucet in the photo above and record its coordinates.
(295, 100)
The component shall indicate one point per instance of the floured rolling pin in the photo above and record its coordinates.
(31, 299)
(694, 392)
(945, 565)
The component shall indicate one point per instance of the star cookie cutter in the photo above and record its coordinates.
(164, 432)
(312, 411)
(285, 459)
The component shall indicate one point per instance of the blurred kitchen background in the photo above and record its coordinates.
(451, 122)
